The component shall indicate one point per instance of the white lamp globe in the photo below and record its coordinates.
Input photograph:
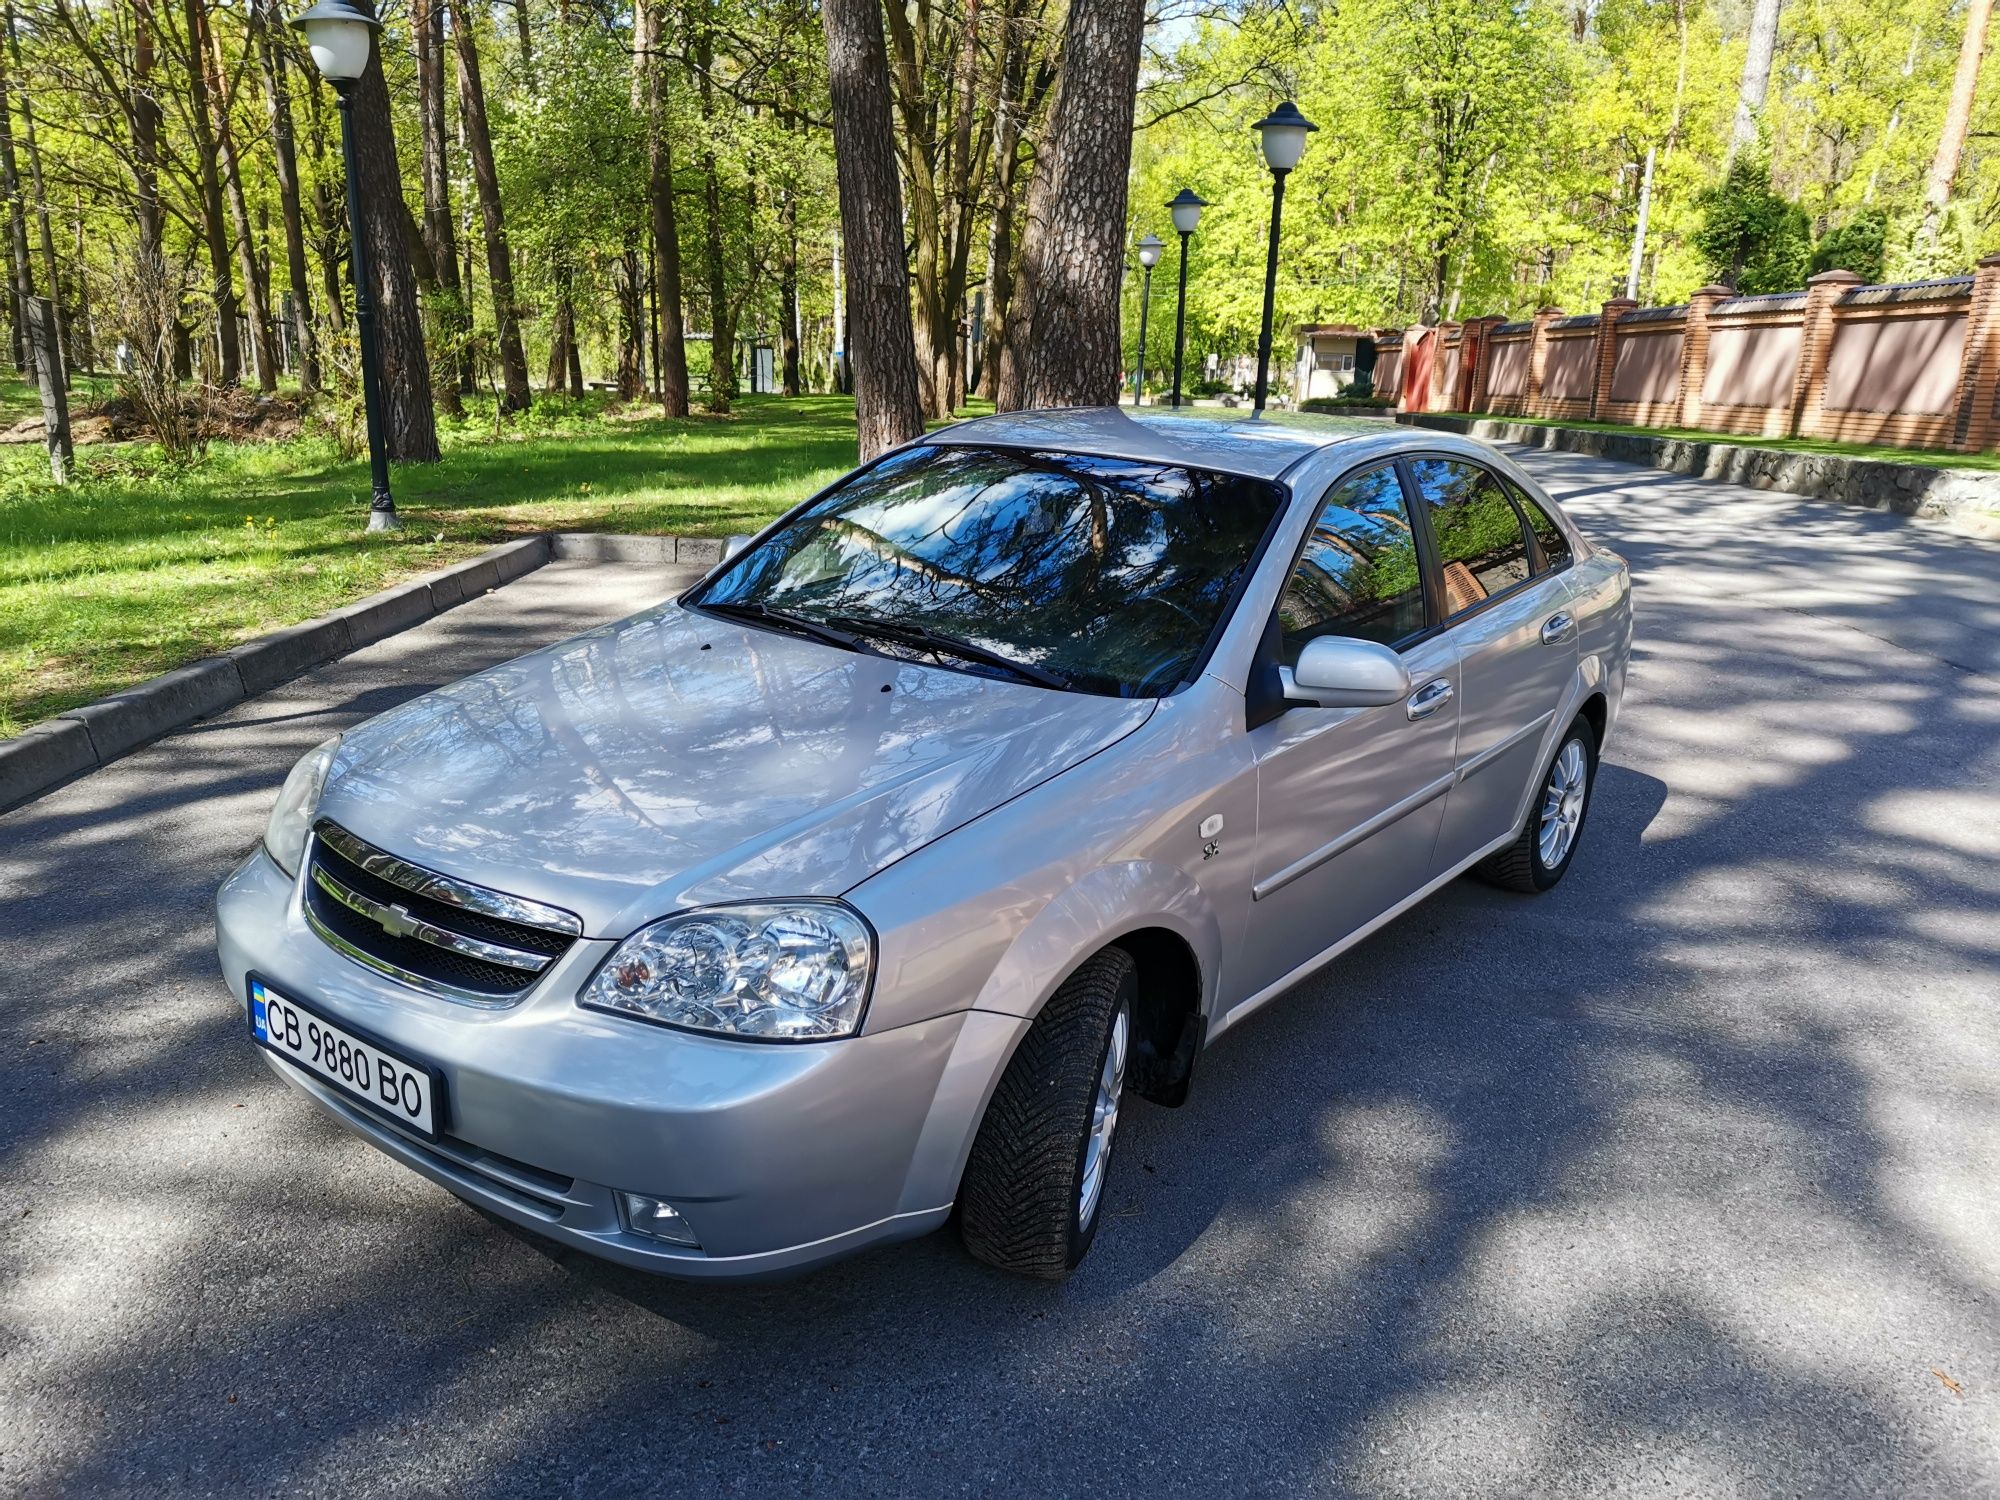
(339, 38)
(1186, 208)
(1283, 135)
(1149, 250)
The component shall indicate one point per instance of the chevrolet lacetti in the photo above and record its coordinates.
(863, 881)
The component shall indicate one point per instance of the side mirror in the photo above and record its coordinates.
(1336, 672)
(735, 544)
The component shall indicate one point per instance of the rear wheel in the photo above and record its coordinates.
(1034, 1184)
(1536, 860)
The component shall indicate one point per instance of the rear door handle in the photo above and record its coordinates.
(1557, 629)
(1428, 699)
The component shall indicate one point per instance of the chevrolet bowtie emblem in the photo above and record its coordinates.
(397, 921)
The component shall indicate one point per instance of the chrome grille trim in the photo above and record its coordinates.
(410, 925)
(422, 882)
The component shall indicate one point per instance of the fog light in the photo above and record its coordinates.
(657, 1219)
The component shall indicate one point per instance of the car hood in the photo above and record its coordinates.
(673, 759)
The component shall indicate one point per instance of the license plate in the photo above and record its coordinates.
(408, 1093)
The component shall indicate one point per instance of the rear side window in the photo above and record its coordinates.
(1482, 546)
(1555, 546)
(1358, 574)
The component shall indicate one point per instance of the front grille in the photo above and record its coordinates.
(448, 936)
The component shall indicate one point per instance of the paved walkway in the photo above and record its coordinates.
(1683, 1180)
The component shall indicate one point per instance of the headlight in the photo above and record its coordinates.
(791, 972)
(291, 819)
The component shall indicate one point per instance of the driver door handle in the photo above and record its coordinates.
(1558, 628)
(1428, 699)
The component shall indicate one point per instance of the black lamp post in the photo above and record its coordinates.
(1149, 257)
(340, 38)
(1282, 134)
(1186, 209)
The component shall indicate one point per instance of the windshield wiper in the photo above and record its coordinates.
(932, 640)
(780, 619)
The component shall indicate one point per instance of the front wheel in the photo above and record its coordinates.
(1536, 860)
(1034, 1184)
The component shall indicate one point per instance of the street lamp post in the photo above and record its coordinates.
(1149, 257)
(340, 38)
(1186, 208)
(1282, 134)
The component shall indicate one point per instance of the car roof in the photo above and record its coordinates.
(1232, 441)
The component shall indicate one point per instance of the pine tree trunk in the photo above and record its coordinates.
(632, 326)
(215, 235)
(21, 282)
(1958, 114)
(1000, 235)
(256, 291)
(277, 98)
(486, 178)
(672, 359)
(410, 424)
(454, 313)
(40, 199)
(788, 291)
(1756, 82)
(881, 349)
(1066, 302)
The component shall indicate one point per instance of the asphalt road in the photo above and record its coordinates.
(1684, 1179)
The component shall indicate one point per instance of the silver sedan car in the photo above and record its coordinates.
(867, 879)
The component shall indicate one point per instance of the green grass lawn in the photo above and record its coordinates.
(1936, 458)
(138, 567)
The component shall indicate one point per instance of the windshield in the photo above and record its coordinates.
(1104, 574)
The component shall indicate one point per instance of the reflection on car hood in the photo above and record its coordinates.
(675, 758)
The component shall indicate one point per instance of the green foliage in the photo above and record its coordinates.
(1856, 246)
(1751, 237)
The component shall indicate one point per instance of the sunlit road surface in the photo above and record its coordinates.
(1682, 1180)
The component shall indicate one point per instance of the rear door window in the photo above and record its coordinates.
(1358, 574)
(1482, 545)
(1555, 546)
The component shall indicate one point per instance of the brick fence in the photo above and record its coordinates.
(1914, 365)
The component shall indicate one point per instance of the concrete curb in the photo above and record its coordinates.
(1968, 498)
(47, 755)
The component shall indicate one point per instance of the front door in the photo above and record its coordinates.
(1506, 596)
(1349, 800)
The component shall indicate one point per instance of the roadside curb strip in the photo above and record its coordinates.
(1962, 496)
(47, 755)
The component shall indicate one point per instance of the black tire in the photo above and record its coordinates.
(1020, 1203)
(1520, 866)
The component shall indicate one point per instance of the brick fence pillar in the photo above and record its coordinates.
(1538, 357)
(1978, 425)
(1607, 351)
(1694, 350)
(1478, 348)
(1816, 343)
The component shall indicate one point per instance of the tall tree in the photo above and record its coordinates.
(1073, 249)
(38, 193)
(409, 421)
(1756, 84)
(208, 181)
(499, 261)
(256, 292)
(271, 57)
(454, 313)
(881, 349)
(22, 268)
(1957, 127)
(649, 54)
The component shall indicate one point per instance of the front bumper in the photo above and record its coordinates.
(780, 1157)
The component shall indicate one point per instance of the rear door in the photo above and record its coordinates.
(1506, 594)
(1349, 799)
